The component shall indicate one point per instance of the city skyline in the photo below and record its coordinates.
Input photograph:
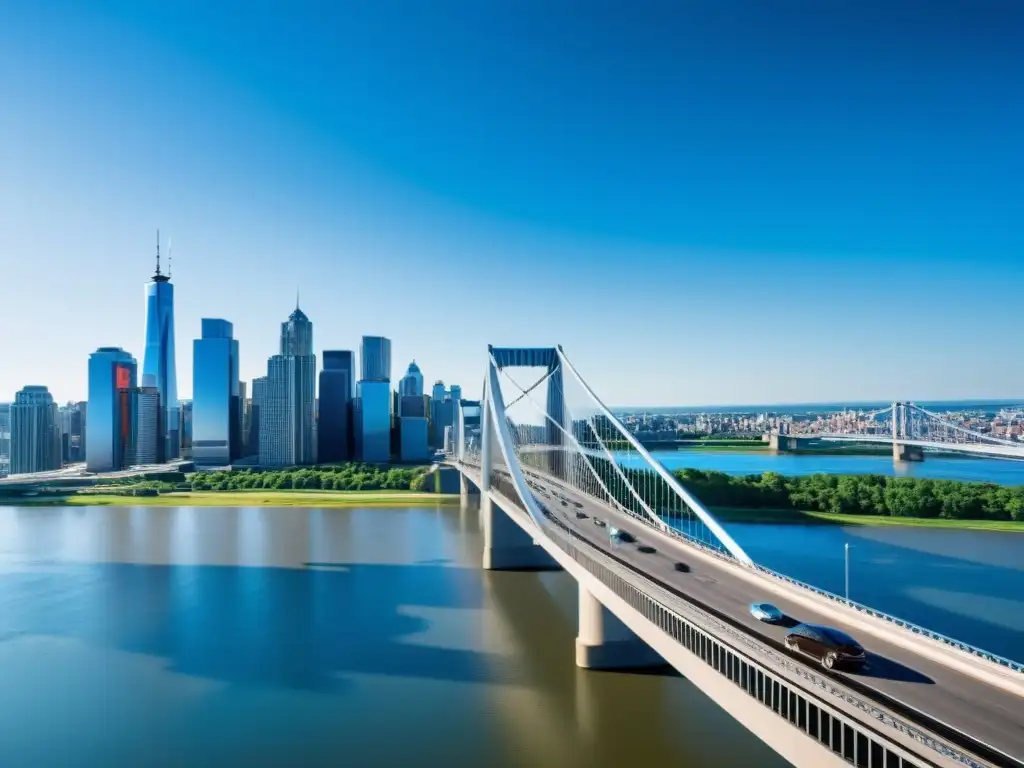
(772, 232)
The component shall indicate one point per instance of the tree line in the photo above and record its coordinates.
(344, 477)
(858, 495)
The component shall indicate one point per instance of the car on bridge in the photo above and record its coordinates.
(766, 612)
(830, 646)
(623, 536)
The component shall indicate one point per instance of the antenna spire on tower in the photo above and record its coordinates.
(158, 252)
(296, 297)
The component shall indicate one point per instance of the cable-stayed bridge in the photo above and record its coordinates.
(560, 479)
(910, 429)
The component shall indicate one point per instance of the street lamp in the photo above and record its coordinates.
(846, 549)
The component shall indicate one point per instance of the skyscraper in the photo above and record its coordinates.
(337, 388)
(375, 359)
(287, 418)
(259, 400)
(145, 443)
(72, 427)
(158, 368)
(5, 438)
(442, 411)
(412, 383)
(35, 432)
(109, 420)
(215, 395)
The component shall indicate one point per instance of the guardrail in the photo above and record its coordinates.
(981, 653)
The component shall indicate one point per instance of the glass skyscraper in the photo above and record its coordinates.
(5, 438)
(113, 375)
(287, 416)
(158, 368)
(373, 421)
(375, 359)
(337, 389)
(35, 432)
(215, 393)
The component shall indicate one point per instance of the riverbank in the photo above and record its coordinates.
(802, 517)
(254, 498)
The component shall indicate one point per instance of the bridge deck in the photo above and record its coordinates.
(897, 677)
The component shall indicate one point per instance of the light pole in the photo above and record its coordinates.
(846, 548)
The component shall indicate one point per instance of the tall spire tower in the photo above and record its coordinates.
(158, 368)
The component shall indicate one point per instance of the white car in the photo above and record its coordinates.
(766, 612)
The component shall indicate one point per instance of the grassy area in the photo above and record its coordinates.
(784, 516)
(252, 498)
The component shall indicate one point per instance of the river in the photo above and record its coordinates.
(1002, 471)
(266, 637)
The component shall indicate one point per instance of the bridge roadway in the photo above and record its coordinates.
(897, 678)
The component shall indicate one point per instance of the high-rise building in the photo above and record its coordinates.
(242, 432)
(113, 375)
(216, 419)
(412, 382)
(334, 422)
(5, 438)
(145, 443)
(185, 430)
(287, 419)
(158, 369)
(413, 439)
(72, 427)
(375, 359)
(373, 421)
(35, 432)
(259, 399)
(442, 411)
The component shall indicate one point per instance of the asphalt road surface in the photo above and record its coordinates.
(983, 712)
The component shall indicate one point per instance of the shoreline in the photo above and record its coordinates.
(765, 516)
(247, 498)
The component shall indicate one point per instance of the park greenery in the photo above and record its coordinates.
(343, 477)
(876, 495)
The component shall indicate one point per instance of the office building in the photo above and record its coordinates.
(334, 421)
(443, 403)
(72, 428)
(185, 430)
(412, 405)
(242, 415)
(144, 447)
(158, 368)
(412, 382)
(5, 438)
(375, 361)
(35, 432)
(373, 421)
(413, 439)
(287, 418)
(259, 398)
(109, 420)
(216, 415)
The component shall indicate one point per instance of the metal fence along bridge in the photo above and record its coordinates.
(558, 475)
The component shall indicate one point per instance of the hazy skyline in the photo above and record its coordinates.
(703, 203)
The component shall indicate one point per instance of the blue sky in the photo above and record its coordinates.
(704, 202)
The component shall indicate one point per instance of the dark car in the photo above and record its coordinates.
(830, 646)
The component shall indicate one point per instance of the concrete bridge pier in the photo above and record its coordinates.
(902, 452)
(467, 488)
(785, 443)
(604, 642)
(507, 547)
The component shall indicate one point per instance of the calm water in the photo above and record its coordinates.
(965, 584)
(1000, 471)
(364, 637)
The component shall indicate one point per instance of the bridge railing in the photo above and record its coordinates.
(831, 597)
(817, 707)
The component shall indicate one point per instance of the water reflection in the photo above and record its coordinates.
(290, 636)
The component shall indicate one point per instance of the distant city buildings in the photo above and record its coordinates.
(216, 410)
(113, 375)
(72, 427)
(286, 420)
(35, 432)
(158, 369)
(335, 415)
(443, 404)
(5, 438)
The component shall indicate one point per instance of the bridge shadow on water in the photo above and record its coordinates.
(271, 627)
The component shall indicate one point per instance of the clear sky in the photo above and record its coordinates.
(704, 202)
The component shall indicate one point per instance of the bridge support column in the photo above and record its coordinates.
(507, 547)
(902, 452)
(786, 443)
(604, 642)
(466, 488)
